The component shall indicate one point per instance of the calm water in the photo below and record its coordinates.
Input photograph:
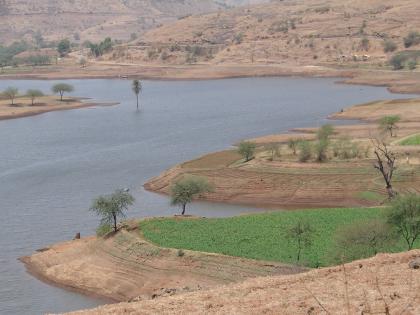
(52, 165)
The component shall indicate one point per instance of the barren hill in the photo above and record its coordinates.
(381, 285)
(93, 19)
(292, 32)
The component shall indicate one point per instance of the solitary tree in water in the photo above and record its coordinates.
(62, 88)
(137, 88)
(110, 207)
(184, 190)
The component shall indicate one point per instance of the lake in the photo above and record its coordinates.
(54, 164)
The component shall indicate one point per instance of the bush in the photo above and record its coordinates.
(412, 64)
(389, 46)
(321, 148)
(305, 151)
(412, 39)
(103, 229)
(402, 59)
(362, 240)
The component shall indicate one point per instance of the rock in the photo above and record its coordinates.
(77, 237)
(415, 264)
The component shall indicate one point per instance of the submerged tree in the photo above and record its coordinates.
(185, 189)
(301, 234)
(110, 207)
(385, 164)
(137, 89)
(32, 94)
(62, 88)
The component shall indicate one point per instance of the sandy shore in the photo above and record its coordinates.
(45, 104)
(125, 267)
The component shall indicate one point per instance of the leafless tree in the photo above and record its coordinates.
(385, 164)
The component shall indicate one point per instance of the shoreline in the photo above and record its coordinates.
(139, 269)
(394, 81)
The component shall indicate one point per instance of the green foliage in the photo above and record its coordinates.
(110, 207)
(305, 151)
(64, 47)
(405, 216)
(412, 64)
(257, 236)
(103, 47)
(362, 239)
(413, 140)
(247, 150)
(293, 144)
(389, 124)
(402, 59)
(103, 229)
(8, 53)
(325, 132)
(62, 88)
(32, 94)
(185, 189)
(345, 149)
(389, 46)
(412, 39)
(11, 93)
(321, 148)
(300, 234)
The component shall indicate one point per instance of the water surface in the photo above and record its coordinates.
(54, 164)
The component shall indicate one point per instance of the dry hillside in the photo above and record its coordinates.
(291, 32)
(381, 285)
(93, 19)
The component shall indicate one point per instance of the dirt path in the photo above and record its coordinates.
(125, 266)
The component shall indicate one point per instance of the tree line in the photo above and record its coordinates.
(12, 93)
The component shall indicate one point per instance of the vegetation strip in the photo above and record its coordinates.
(263, 236)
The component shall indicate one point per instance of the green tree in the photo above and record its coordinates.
(111, 207)
(293, 144)
(325, 132)
(274, 150)
(301, 235)
(305, 151)
(389, 46)
(362, 239)
(137, 89)
(63, 47)
(185, 189)
(11, 93)
(32, 94)
(405, 216)
(62, 88)
(247, 150)
(321, 149)
(389, 124)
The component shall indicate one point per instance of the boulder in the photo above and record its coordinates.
(415, 264)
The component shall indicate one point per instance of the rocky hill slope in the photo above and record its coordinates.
(93, 19)
(292, 32)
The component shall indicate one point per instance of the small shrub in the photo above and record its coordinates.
(412, 64)
(305, 151)
(389, 46)
(103, 229)
(180, 253)
(412, 39)
(365, 44)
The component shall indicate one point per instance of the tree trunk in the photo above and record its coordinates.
(390, 191)
(32, 101)
(137, 102)
(183, 209)
(115, 222)
(61, 96)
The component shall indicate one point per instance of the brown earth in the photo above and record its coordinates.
(285, 182)
(125, 266)
(22, 106)
(381, 285)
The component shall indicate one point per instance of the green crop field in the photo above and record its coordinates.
(413, 140)
(259, 236)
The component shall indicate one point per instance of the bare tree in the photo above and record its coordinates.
(385, 164)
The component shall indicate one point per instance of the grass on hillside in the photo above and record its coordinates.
(413, 140)
(259, 236)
